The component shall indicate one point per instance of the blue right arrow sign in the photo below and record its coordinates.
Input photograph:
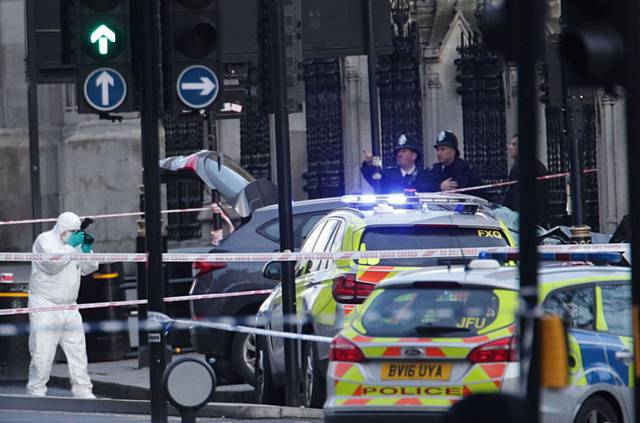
(198, 86)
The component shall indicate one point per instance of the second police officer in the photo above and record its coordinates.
(450, 171)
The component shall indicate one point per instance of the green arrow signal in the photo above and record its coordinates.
(102, 35)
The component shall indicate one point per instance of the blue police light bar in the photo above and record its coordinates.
(463, 204)
(466, 208)
(611, 258)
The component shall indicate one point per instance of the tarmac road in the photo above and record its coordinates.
(14, 416)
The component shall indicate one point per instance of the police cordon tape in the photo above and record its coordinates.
(27, 310)
(263, 257)
(199, 209)
(303, 256)
(256, 331)
(164, 323)
(99, 216)
(507, 183)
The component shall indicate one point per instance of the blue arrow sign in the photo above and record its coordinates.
(105, 89)
(197, 86)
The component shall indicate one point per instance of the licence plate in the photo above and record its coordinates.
(416, 371)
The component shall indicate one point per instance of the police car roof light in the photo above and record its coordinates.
(368, 199)
(610, 258)
(349, 199)
(485, 264)
(471, 204)
(467, 208)
(397, 199)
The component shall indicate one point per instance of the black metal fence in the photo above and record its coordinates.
(255, 144)
(480, 74)
(184, 134)
(399, 84)
(325, 152)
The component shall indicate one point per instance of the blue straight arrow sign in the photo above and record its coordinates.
(104, 81)
(105, 89)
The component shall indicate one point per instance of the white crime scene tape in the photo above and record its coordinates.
(300, 256)
(27, 310)
(257, 331)
(99, 216)
(199, 209)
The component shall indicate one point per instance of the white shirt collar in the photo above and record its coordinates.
(409, 172)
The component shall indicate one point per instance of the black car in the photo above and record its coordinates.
(234, 353)
(241, 194)
(252, 203)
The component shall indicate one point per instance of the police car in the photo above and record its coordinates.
(425, 339)
(328, 291)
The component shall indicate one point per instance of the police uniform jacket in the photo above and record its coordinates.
(459, 170)
(392, 180)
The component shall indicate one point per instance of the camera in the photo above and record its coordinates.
(88, 238)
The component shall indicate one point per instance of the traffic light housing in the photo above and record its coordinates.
(190, 39)
(496, 24)
(105, 80)
(50, 24)
(592, 43)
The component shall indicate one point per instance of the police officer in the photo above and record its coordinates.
(408, 174)
(451, 172)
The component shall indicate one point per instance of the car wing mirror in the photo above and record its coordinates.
(272, 270)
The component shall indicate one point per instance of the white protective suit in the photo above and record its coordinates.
(53, 284)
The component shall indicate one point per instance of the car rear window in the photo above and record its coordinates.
(417, 237)
(438, 312)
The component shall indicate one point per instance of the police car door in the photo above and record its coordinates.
(305, 273)
(576, 306)
(614, 325)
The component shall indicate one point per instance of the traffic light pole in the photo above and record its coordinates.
(34, 156)
(528, 20)
(632, 9)
(372, 61)
(575, 128)
(34, 130)
(151, 176)
(283, 156)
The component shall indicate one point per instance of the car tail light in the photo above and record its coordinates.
(203, 267)
(342, 349)
(500, 350)
(348, 290)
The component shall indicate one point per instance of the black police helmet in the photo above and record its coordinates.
(407, 141)
(447, 139)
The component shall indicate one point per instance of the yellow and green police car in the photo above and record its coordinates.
(328, 291)
(426, 339)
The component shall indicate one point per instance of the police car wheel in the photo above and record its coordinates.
(243, 354)
(265, 389)
(313, 390)
(597, 410)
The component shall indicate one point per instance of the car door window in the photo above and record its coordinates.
(308, 246)
(322, 243)
(308, 224)
(575, 306)
(616, 307)
(333, 245)
(302, 224)
(270, 230)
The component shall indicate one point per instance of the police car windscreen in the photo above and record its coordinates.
(436, 313)
(422, 237)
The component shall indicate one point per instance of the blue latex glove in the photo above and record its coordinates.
(86, 248)
(76, 239)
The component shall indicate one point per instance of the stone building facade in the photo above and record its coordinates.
(94, 167)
